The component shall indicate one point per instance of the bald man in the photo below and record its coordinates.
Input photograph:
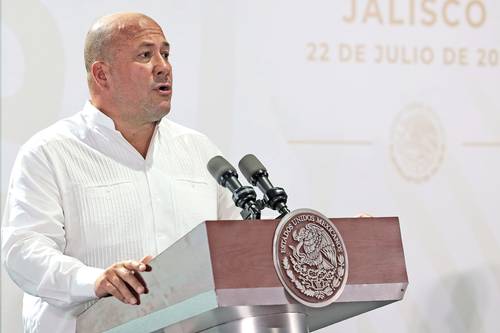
(93, 197)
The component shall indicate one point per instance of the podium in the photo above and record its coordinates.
(220, 277)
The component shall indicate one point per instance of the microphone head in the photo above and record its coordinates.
(218, 167)
(249, 165)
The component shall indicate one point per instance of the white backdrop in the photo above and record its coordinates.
(392, 110)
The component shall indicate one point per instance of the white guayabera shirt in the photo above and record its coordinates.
(82, 198)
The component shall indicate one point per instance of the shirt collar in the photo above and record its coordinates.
(97, 117)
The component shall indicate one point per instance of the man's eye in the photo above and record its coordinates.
(165, 55)
(145, 54)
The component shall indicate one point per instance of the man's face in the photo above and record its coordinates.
(140, 82)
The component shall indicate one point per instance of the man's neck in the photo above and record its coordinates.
(138, 136)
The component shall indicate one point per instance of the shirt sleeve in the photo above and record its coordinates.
(33, 236)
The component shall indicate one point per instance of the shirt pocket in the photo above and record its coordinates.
(195, 201)
(110, 215)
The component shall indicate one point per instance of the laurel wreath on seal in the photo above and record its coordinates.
(317, 283)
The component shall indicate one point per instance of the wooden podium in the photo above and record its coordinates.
(220, 277)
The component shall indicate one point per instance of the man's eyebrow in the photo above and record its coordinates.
(150, 44)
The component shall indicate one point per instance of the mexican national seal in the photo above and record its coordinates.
(417, 143)
(310, 257)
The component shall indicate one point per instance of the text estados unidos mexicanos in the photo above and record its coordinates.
(308, 218)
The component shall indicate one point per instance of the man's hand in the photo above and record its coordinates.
(123, 281)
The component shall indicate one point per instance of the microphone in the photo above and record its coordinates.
(256, 174)
(243, 196)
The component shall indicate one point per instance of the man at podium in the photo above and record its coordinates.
(94, 193)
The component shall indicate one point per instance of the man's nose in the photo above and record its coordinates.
(162, 66)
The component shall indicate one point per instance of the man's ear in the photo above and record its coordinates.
(100, 74)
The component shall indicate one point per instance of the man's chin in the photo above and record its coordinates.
(161, 112)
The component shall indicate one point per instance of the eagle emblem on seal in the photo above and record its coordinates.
(319, 250)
